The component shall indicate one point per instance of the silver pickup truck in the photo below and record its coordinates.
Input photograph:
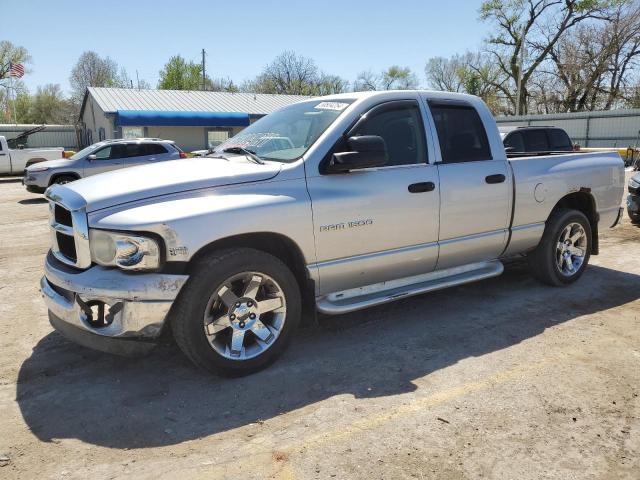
(373, 197)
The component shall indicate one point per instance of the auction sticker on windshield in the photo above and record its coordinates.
(339, 106)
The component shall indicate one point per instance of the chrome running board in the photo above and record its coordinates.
(384, 292)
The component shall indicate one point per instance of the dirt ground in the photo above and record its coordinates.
(503, 379)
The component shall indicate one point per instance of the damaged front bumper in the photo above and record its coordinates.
(108, 309)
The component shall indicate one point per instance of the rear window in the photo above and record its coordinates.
(559, 140)
(461, 133)
(154, 149)
(536, 141)
(515, 141)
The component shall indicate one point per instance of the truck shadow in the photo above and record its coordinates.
(66, 391)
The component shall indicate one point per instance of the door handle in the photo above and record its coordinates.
(422, 187)
(497, 178)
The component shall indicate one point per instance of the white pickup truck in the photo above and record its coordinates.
(374, 197)
(14, 161)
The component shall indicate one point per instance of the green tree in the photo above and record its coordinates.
(393, 78)
(398, 78)
(178, 74)
(48, 105)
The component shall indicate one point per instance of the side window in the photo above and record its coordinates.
(559, 140)
(461, 133)
(403, 132)
(536, 141)
(515, 141)
(154, 149)
(117, 151)
(134, 150)
(103, 153)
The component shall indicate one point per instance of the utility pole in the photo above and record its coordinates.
(138, 79)
(204, 75)
(520, 66)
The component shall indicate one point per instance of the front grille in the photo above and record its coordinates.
(69, 233)
(63, 216)
(67, 246)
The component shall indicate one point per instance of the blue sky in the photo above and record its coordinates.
(343, 37)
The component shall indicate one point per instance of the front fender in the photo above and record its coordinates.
(188, 222)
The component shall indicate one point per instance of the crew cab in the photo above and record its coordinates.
(13, 161)
(376, 196)
(99, 158)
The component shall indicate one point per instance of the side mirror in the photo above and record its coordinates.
(91, 158)
(366, 151)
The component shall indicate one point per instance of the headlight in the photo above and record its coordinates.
(129, 252)
(37, 169)
(633, 183)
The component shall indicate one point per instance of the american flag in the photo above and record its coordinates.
(16, 70)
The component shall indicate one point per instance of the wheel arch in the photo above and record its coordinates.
(33, 161)
(584, 202)
(55, 176)
(276, 244)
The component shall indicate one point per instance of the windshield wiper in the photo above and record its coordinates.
(249, 153)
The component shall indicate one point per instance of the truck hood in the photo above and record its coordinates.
(137, 183)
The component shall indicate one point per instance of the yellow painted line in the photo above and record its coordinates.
(433, 400)
(277, 465)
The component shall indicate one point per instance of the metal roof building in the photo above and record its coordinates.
(194, 119)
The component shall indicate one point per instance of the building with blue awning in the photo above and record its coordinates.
(194, 119)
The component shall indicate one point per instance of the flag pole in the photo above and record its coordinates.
(15, 97)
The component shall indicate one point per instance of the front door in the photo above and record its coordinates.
(475, 189)
(378, 224)
(106, 159)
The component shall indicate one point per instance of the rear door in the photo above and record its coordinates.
(144, 153)
(475, 188)
(378, 224)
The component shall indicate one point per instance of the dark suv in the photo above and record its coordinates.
(534, 140)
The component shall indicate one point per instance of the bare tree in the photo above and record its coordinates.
(92, 71)
(532, 28)
(366, 80)
(294, 74)
(594, 65)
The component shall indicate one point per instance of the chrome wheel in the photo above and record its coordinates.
(571, 249)
(245, 315)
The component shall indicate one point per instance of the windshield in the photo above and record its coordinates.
(287, 134)
(82, 153)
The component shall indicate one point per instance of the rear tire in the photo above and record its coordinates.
(634, 216)
(564, 251)
(237, 313)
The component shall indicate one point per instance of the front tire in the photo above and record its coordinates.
(634, 217)
(564, 251)
(237, 313)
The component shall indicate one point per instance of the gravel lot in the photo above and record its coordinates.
(500, 379)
